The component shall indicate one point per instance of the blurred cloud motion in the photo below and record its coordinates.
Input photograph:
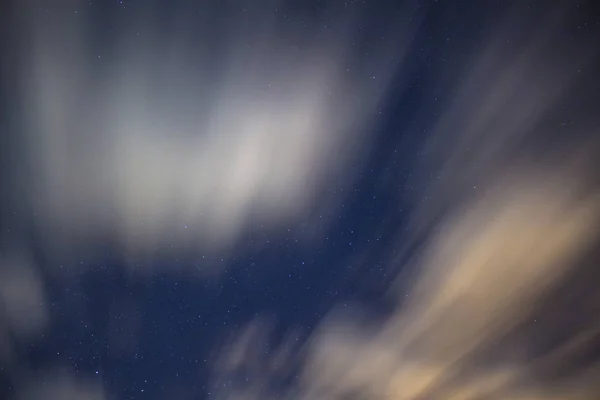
(503, 307)
(470, 326)
(23, 313)
(61, 385)
(153, 139)
(167, 139)
(499, 298)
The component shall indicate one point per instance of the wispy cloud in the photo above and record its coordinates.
(513, 217)
(162, 140)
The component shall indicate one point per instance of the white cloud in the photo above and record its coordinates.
(158, 147)
(509, 222)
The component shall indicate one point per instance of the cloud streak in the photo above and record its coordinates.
(509, 237)
(167, 140)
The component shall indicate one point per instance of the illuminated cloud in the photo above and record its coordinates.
(483, 276)
(464, 330)
(511, 224)
(166, 141)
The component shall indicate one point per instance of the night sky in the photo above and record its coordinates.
(312, 200)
